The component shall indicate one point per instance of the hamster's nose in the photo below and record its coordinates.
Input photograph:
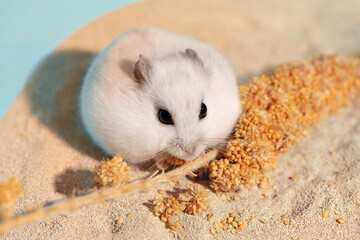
(189, 150)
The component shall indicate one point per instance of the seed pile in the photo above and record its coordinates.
(193, 201)
(278, 110)
(10, 191)
(232, 223)
(112, 172)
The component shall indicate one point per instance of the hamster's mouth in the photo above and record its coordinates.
(165, 160)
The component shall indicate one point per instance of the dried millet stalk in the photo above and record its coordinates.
(10, 191)
(103, 194)
(112, 172)
(278, 110)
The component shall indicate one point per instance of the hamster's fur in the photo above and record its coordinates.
(119, 111)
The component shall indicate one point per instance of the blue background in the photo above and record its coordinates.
(31, 29)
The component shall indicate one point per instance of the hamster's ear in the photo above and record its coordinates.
(192, 54)
(142, 69)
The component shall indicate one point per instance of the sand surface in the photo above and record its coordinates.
(42, 143)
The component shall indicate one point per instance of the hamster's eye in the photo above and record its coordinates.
(203, 111)
(165, 117)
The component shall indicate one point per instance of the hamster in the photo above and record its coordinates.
(152, 92)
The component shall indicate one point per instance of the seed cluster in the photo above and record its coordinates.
(278, 110)
(112, 172)
(232, 223)
(193, 201)
(10, 191)
(167, 209)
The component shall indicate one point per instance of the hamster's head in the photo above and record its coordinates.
(193, 107)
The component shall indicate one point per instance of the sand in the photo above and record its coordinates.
(42, 143)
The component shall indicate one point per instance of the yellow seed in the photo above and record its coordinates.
(163, 219)
(230, 219)
(262, 221)
(287, 222)
(213, 174)
(336, 212)
(325, 214)
(242, 226)
(295, 177)
(340, 220)
(160, 191)
(129, 215)
(120, 221)
(212, 230)
(177, 225)
(233, 214)
(210, 215)
(333, 153)
(234, 224)
(105, 179)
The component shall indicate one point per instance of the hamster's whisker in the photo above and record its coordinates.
(213, 142)
(150, 163)
(152, 167)
(230, 137)
(218, 137)
(221, 140)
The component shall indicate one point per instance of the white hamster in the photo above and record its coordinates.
(152, 92)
